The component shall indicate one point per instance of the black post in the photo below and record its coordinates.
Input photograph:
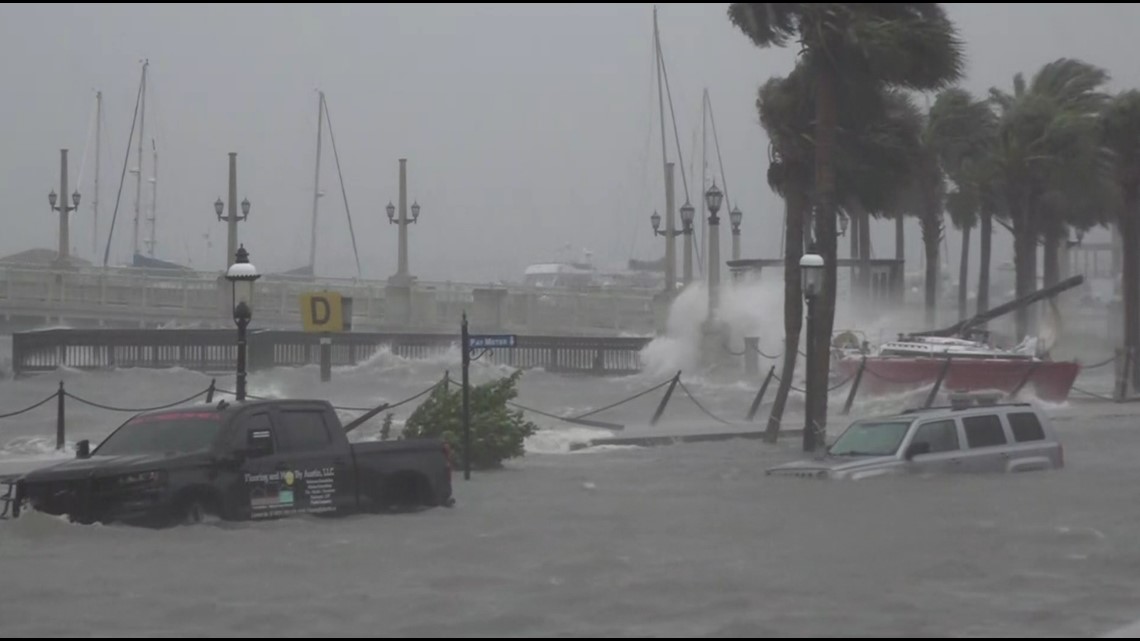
(760, 395)
(466, 402)
(241, 323)
(809, 388)
(210, 390)
(665, 399)
(60, 435)
(855, 387)
(326, 358)
(938, 383)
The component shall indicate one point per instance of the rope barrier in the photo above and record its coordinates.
(28, 409)
(1093, 394)
(698, 404)
(131, 409)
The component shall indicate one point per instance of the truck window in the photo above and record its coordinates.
(256, 435)
(1026, 427)
(941, 435)
(304, 430)
(180, 431)
(984, 431)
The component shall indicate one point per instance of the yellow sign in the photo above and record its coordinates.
(326, 312)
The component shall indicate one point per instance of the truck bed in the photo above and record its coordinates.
(404, 473)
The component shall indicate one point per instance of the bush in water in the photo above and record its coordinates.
(497, 432)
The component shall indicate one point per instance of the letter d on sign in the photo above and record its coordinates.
(320, 310)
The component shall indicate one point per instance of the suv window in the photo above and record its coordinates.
(304, 430)
(1026, 427)
(984, 431)
(941, 435)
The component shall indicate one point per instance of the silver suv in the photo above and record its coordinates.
(958, 439)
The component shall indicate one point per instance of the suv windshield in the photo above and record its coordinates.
(871, 438)
(163, 433)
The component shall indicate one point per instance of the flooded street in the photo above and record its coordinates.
(682, 540)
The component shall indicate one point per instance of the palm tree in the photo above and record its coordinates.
(906, 45)
(962, 137)
(1120, 126)
(1042, 127)
(783, 104)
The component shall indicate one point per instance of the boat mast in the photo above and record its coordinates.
(153, 200)
(138, 169)
(316, 186)
(704, 170)
(95, 200)
(670, 244)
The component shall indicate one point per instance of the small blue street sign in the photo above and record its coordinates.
(488, 342)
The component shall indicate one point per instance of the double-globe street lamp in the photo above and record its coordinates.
(687, 214)
(242, 275)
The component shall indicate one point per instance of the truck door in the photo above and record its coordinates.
(263, 488)
(323, 472)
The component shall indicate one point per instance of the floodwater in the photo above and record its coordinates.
(688, 540)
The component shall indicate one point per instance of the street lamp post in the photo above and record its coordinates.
(232, 217)
(811, 269)
(713, 198)
(687, 214)
(241, 275)
(687, 230)
(402, 273)
(735, 216)
(63, 208)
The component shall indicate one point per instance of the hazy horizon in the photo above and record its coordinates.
(526, 127)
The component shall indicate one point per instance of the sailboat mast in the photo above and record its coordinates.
(316, 185)
(704, 167)
(670, 244)
(138, 170)
(153, 199)
(95, 200)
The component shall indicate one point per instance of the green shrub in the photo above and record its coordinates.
(497, 432)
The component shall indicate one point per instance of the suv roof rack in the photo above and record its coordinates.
(958, 407)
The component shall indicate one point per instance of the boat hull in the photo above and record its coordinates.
(1047, 380)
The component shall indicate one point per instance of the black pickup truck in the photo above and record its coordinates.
(241, 461)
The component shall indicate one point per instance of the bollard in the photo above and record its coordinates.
(1121, 391)
(752, 358)
(210, 390)
(938, 383)
(854, 387)
(60, 436)
(326, 359)
(665, 399)
(760, 395)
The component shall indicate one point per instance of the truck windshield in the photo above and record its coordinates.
(871, 438)
(162, 433)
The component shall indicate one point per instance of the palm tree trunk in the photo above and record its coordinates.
(795, 205)
(856, 273)
(1130, 234)
(865, 249)
(1024, 258)
(900, 237)
(986, 232)
(964, 275)
(827, 117)
(931, 239)
(1052, 266)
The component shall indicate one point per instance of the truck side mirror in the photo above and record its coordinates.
(83, 449)
(917, 449)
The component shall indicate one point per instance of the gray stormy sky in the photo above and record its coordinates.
(526, 127)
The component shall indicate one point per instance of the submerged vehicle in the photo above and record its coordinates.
(962, 438)
(242, 461)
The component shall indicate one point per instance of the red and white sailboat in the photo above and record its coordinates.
(973, 364)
